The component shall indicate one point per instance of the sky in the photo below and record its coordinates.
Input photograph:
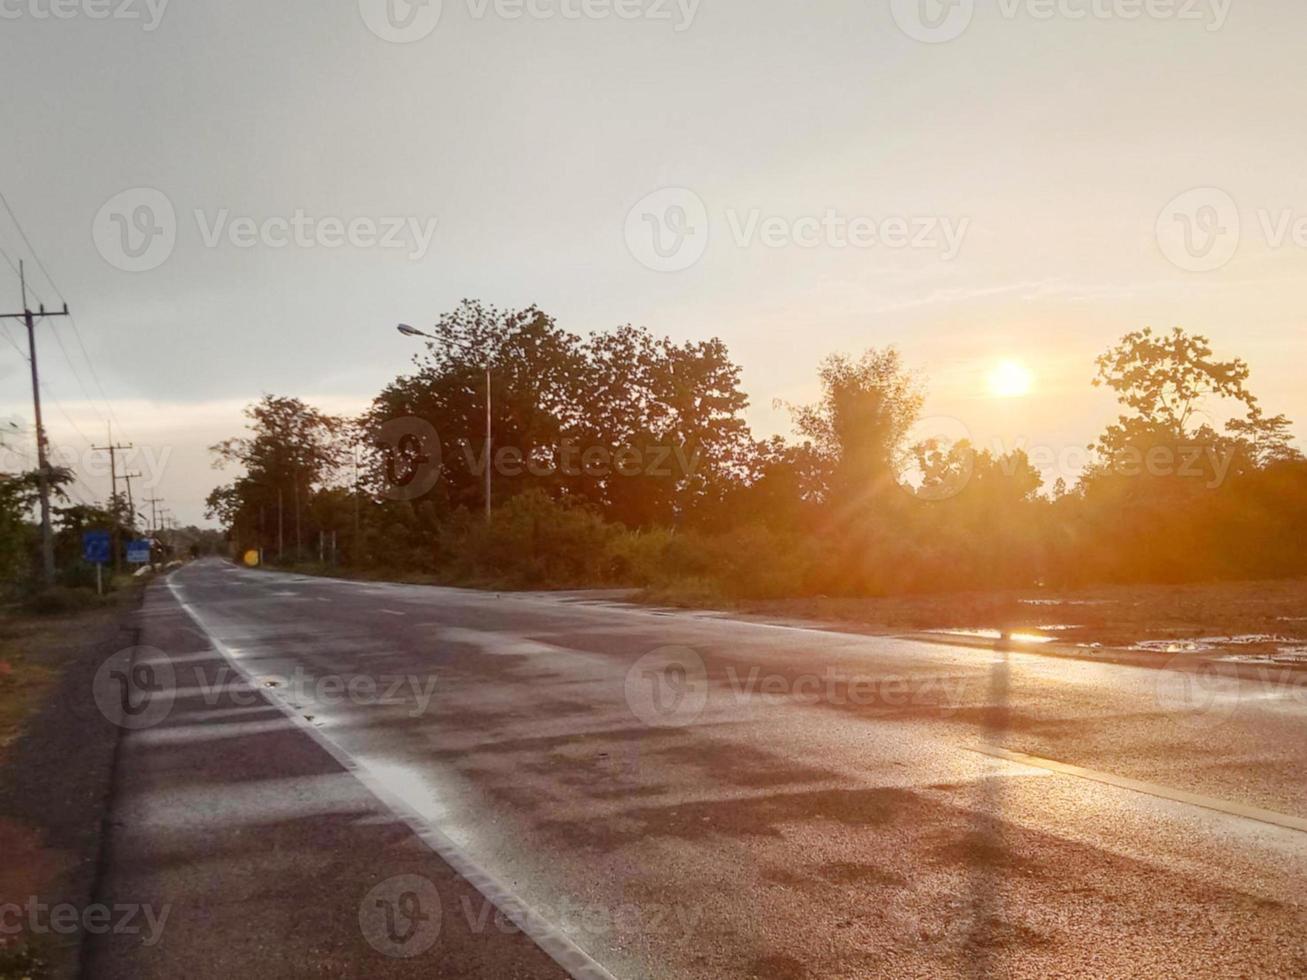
(245, 197)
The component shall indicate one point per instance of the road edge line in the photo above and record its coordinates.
(551, 940)
(1257, 814)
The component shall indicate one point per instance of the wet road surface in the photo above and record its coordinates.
(656, 794)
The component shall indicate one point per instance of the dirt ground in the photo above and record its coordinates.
(1245, 617)
(56, 764)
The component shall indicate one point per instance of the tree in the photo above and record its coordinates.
(567, 409)
(1167, 380)
(293, 448)
(861, 425)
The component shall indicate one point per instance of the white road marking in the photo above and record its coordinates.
(1149, 789)
(549, 937)
(392, 612)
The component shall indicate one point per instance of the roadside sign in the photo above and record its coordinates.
(97, 547)
(138, 552)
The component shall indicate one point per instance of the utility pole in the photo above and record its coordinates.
(154, 520)
(357, 521)
(113, 451)
(131, 504)
(489, 449)
(42, 463)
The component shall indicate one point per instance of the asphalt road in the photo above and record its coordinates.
(659, 794)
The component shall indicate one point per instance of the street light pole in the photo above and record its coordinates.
(408, 331)
(490, 449)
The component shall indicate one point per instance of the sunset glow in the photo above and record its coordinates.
(1010, 379)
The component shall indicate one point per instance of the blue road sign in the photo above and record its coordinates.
(138, 552)
(97, 547)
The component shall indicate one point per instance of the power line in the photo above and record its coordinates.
(28, 242)
(14, 344)
(12, 265)
(59, 293)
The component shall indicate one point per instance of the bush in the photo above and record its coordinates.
(533, 541)
(61, 600)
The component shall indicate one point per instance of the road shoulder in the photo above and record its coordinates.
(55, 785)
(248, 849)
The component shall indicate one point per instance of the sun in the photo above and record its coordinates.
(1010, 379)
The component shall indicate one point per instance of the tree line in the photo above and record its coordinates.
(623, 458)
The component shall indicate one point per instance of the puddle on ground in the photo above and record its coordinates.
(1066, 602)
(1034, 638)
(1173, 646)
(1285, 655)
(1208, 643)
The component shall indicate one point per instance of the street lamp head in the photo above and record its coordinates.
(408, 331)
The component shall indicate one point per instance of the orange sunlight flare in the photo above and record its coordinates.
(1010, 379)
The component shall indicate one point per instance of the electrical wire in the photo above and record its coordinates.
(77, 332)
